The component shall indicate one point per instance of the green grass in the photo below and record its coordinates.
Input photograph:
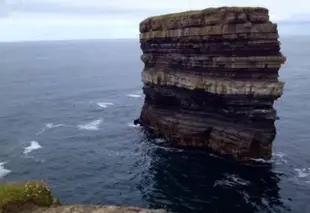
(14, 196)
(208, 11)
(179, 14)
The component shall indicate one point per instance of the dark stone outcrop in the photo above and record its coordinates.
(211, 78)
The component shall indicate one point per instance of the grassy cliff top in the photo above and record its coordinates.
(15, 196)
(211, 10)
(36, 197)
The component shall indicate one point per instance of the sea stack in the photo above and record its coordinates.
(211, 79)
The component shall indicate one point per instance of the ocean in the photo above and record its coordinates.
(66, 116)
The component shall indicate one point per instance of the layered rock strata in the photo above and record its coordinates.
(211, 78)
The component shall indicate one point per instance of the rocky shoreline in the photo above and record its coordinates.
(211, 79)
(36, 197)
(88, 209)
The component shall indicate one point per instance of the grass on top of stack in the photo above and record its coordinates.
(206, 17)
(211, 10)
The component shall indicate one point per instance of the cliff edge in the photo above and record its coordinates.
(211, 78)
(36, 197)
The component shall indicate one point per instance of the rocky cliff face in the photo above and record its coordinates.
(211, 78)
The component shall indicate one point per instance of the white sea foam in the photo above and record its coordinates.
(231, 180)
(160, 140)
(49, 126)
(133, 125)
(92, 126)
(169, 149)
(134, 95)
(237, 180)
(105, 104)
(260, 160)
(3, 171)
(279, 158)
(214, 155)
(279, 154)
(34, 145)
(303, 172)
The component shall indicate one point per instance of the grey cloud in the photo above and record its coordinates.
(3, 9)
(45, 7)
(300, 18)
(3, 13)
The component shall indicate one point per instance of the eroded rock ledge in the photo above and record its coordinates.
(211, 78)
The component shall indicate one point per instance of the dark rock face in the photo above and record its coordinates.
(211, 78)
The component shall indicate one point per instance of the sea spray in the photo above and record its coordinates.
(34, 145)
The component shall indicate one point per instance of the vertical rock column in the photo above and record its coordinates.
(211, 78)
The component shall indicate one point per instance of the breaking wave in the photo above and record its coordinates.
(303, 172)
(133, 125)
(49, 126)
(34, 145)
(231, 180)
(134, 95)
(3, 171)
(104, 104)
(91, 126)
(278, 158)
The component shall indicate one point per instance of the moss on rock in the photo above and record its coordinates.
(206, 17)
(210, 10)
(16, 196)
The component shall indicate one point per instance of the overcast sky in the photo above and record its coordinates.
(82, 19)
